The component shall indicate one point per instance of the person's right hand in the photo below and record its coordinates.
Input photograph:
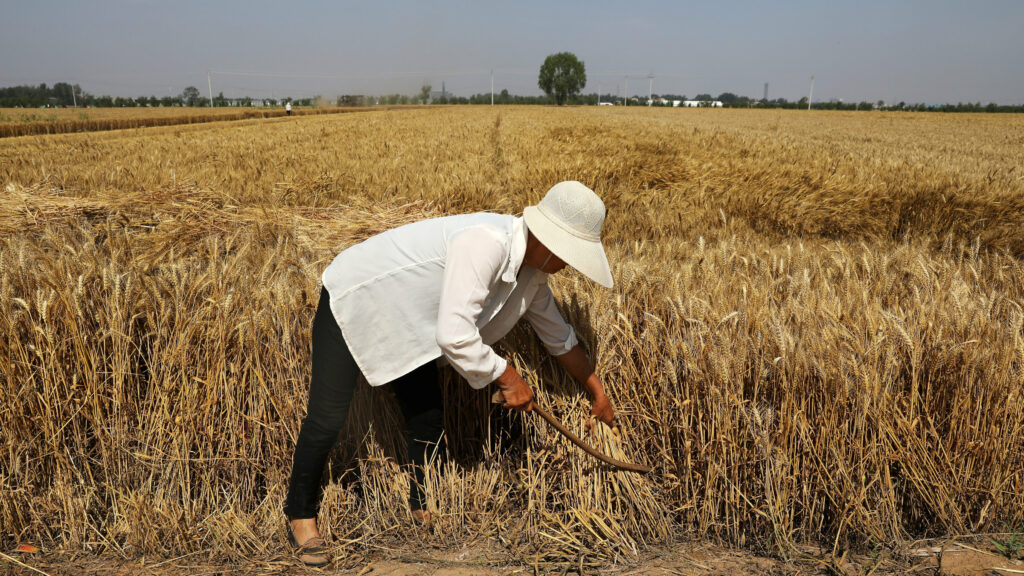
(516, 391)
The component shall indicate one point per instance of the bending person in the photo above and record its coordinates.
(395, 304)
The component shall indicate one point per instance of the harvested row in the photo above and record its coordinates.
(83, 122)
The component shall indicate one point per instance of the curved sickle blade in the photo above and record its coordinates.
(499, 398)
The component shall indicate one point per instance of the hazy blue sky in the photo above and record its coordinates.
(912, 50)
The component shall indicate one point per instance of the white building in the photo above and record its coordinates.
(664, 102)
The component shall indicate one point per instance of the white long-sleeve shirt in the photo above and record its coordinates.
(446, 287)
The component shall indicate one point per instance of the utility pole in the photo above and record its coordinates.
(650, 89)
(74, 100)
(598, 94)
(209, 87)
(492, 86)
(810, 97)
(625, 101)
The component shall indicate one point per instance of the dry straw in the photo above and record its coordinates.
(815, 337)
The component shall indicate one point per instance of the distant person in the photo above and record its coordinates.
(288, 108)
(394, 304)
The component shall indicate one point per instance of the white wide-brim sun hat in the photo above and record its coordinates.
(568, 222)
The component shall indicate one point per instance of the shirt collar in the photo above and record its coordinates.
(518, 251)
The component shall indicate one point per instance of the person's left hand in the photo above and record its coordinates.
(603, 410)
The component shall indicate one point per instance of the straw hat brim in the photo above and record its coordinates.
(584, 255)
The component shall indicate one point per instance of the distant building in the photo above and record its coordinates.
(702, 104)
(244, 102)
(439, 95)
(664, 102)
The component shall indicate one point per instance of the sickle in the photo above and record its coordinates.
(499, 398)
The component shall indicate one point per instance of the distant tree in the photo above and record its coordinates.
(425, 93)
(562, 76)
(703, 97)
(220, 100)
(62, 91)
(190, 96)
(728, 98)
(669, 97)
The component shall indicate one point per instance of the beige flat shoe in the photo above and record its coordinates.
(312, 552)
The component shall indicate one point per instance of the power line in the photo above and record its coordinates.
(480, 72)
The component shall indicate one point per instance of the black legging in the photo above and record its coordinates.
(330, 393)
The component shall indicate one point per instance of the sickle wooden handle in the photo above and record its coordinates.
(499, 398)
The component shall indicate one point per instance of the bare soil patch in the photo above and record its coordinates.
(947, 559)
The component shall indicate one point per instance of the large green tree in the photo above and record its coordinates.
(562, 76)
(190, 96)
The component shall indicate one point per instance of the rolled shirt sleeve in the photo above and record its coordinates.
(556, 335)
(472, 265)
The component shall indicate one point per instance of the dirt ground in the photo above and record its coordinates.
(948, 558)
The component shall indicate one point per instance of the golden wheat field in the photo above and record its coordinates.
(816, 335)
